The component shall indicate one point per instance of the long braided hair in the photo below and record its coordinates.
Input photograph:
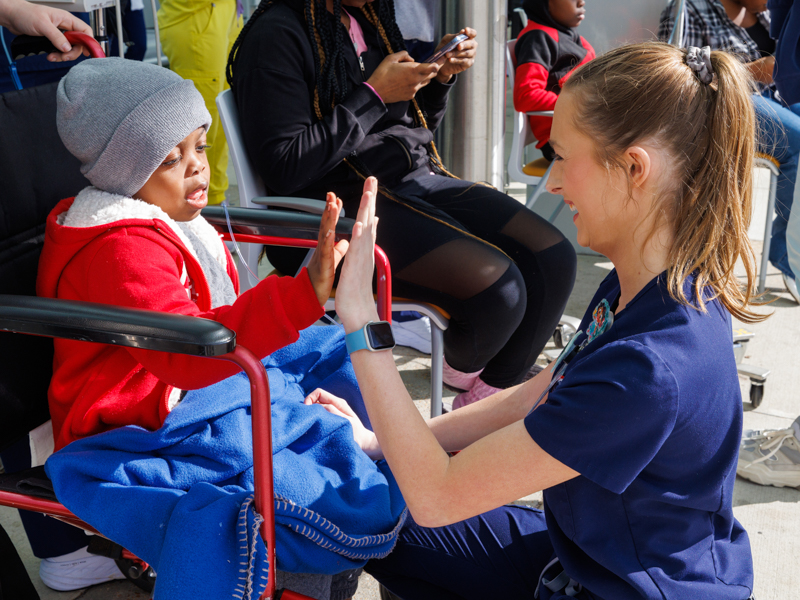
(329, 57)
(332, 85)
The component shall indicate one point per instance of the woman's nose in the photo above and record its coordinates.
(553, 183)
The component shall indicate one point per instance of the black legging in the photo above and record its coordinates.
(503, 273)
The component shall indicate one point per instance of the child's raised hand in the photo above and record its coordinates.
(322, 266)
(354, 302)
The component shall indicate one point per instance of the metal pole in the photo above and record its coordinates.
(473, 137)
(156, 31)
(99, 26)
(676, 38)
(118, 13)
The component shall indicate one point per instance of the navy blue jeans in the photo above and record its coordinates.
(499, 554)
(779, 128)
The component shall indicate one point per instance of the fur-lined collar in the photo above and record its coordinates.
(93, 207)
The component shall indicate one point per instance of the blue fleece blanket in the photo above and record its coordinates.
(181, 497)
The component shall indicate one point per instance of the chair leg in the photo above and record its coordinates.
(540, 188)
(762, 273)
(437, 364)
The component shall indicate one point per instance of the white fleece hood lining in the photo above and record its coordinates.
(93, 207)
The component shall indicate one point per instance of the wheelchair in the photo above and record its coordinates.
(37, 171)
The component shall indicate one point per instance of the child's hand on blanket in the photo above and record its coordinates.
(339, 406)
(322, 266)
(354, 302)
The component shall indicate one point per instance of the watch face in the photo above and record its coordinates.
(380, 336)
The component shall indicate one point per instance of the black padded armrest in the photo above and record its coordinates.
(277, 223)
(106, 324)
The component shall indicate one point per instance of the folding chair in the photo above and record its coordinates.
(533, 174)
(26, 360)
(253, 194)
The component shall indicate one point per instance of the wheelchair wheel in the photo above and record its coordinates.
(756, 394)
(557, 338)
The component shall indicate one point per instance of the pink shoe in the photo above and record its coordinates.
(478, 391)
(457, 379)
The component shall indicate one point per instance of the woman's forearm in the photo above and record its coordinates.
(416, 458)
(439, 489)
(458, 429)
(415, 449)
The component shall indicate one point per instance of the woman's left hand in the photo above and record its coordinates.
(354, 302)
(339, 406)
(460, 59)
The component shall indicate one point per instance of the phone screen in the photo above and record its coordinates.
(446, 48)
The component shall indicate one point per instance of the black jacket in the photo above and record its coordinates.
(295, 153)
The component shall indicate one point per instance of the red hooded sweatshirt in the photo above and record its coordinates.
(106, 248)
(547, 53)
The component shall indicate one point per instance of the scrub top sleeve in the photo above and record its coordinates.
(610, 415)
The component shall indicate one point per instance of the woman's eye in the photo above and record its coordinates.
(203, 147)
(557, 157)
(169, 163)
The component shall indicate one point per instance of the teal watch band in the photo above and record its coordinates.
(357, 340)
(374, 336)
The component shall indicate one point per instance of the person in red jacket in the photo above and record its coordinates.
(136, 238)
(548, 50)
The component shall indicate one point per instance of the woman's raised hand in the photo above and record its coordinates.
(322, 266)
(354, 302)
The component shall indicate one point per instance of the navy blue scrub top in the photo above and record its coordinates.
(650, 415)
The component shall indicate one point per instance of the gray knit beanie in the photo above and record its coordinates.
(121, 118)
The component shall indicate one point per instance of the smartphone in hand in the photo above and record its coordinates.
(448, 47)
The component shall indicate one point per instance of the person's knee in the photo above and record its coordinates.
(559, 264)
(501, 306)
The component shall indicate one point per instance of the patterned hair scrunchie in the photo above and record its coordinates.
(699, 61)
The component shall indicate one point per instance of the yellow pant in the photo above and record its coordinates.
(197, 37)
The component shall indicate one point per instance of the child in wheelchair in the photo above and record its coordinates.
(137, 428)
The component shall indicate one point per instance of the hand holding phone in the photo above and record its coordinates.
(448, 47)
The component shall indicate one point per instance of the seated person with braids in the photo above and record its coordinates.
(328, 96)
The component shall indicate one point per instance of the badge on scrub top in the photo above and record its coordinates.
(602, 320)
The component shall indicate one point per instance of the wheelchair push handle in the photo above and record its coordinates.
(28, 45)
(84, 39)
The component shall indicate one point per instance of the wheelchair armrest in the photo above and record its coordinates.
(106, 324)
(307, 205)
(540, 113)
(276, 223)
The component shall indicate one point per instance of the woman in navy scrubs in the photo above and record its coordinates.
(636, 436)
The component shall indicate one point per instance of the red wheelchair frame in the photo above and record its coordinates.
(261, 414)
(15, 318)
